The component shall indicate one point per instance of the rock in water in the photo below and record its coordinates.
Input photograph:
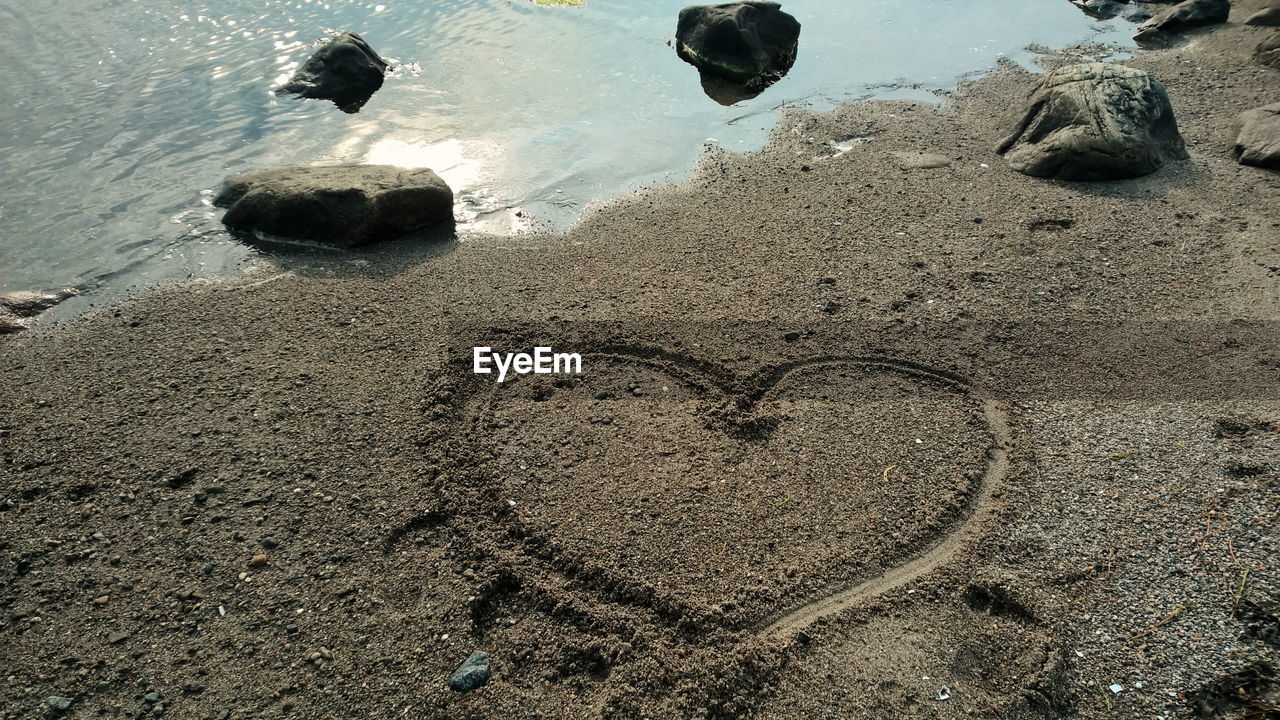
(471, 674)
(752, 43)
(345, 70)
(29, 303)
(341, 206)
(1184, 16)
(20, 304)
(1258, 142)
(1094, 122)
(1107, 9)
(1268, 51)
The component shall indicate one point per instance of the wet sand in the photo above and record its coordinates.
(854, 438)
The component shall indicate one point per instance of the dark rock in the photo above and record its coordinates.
(1268, 51)
(1182, 17)
(342, 206)
(1094, 122)
(1107, 9)
(749, 43)
(345, 70)
(471, 674)
(58, 703)
(726, 92)
(1258, 141)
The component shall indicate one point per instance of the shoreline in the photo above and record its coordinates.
(597, 536)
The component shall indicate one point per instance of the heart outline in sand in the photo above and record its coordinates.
(746, 395)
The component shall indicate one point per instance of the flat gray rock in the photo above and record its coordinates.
(1094, 121)
(920, 160)
(341, 206)
(18, 305)
(1268, 16)
(29, 303)
(1268, 51)
(1182, 17)
(1258, 142)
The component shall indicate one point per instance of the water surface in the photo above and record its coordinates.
(123, 116)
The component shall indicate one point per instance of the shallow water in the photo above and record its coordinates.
(122, 117)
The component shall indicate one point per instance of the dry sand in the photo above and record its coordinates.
(858, 436)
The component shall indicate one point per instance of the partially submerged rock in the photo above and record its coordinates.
(1107, 9)
(1258, 140)
(1182, 17)
(16, 306)
(471, 674)
(345, 70)
(29, 303)
(342, 206)
(1268, 51)
(750, 43)
(1094, 121)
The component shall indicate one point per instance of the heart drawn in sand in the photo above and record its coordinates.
(746, 498)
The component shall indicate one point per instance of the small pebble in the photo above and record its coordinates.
(471, 674)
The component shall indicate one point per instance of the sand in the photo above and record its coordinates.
(869, 426)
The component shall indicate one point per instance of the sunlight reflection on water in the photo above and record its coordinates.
(124, 116)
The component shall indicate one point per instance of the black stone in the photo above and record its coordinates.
(345, 70)
(752, 44)
(1107, 9)
(471, 674)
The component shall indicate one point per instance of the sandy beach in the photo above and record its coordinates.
(856, 436)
